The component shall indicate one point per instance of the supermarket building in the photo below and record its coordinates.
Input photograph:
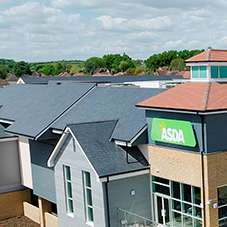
(187, 146)
(88, 156)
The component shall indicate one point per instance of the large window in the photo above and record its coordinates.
(68, 187)
(199, 72)
(222, 205)
(88, 197)
(218, 72)
(184, 202)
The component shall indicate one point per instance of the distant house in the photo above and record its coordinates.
(185, 74)
(12, 78)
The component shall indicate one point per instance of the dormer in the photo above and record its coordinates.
(210, 65)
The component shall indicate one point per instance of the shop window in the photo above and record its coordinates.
(176, 190)
(186, 192)
(196, 195)
(68, 187)
(88, 197)
(185, 200)
(222, 205)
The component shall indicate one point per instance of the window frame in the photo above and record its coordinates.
(200, 72)
(68, 190)
(89, 217)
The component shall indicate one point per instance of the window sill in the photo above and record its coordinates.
(70, 215)
(90, 223)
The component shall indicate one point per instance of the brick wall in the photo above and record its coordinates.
(11, 204)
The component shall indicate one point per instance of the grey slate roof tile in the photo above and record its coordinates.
(104, 103)
(34, 107)
(98, 79)
(106, 157)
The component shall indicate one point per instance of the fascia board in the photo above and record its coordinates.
(50, 161)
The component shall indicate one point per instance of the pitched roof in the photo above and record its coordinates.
(185, 74)
(106, 157)
(12, 77)
(3, 82)
(98, 79)
(33, 108)
(104, 103)
(191, 96)
(210, 55)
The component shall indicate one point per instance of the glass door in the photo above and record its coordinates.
(162, 210)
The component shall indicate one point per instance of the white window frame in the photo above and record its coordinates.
(87, 206)
(69, 209)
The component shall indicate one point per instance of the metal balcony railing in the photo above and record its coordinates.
(128, 219)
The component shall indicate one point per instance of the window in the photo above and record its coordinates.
(68, 187)
(218, 72)
(88, 197)
(199, 72)
(185, 200)
(222, 205)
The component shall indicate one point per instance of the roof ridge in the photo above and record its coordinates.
(208, 54)
(207, 92)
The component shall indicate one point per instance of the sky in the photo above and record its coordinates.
(51, 30)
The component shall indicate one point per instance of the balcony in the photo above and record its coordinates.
(128, 219)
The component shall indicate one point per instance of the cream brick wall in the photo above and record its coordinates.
(186, 167)
(11, 204)
(175, 165)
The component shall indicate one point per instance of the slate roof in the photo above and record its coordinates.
(210, 55)
(106, 157)
(104, 103)
(94, 79)
(191, 96)
(33, 108)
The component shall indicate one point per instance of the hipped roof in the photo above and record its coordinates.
(191, 96)
(210, 55)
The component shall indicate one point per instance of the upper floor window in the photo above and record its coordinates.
(199, 72)
(218, 72)
(68, 187)
(88, 197)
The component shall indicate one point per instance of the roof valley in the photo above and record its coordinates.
(206, 97)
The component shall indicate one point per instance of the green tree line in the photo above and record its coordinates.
(113, 62)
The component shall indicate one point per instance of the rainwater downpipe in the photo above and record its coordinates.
(202, 166)
(107, 202)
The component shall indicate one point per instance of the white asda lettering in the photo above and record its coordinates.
(171, 134)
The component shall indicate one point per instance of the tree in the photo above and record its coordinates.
(91, 67)
(74, 69)
(178, 64)
(123, 65)
(57, 69)
(4, 70)
(109, 59)
(21, 68)
(48, 70)
(100, 63)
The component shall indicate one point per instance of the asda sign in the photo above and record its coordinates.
(173, 131)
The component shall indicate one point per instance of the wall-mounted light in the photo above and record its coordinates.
(157, 170)
(209, 201)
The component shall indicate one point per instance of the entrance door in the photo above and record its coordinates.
(162, 210)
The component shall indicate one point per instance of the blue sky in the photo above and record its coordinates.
(67, 29)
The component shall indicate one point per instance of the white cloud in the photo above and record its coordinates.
(67, 29)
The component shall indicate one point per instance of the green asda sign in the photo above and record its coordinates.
(173, 131)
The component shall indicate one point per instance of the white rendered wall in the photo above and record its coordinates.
(25, 162)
